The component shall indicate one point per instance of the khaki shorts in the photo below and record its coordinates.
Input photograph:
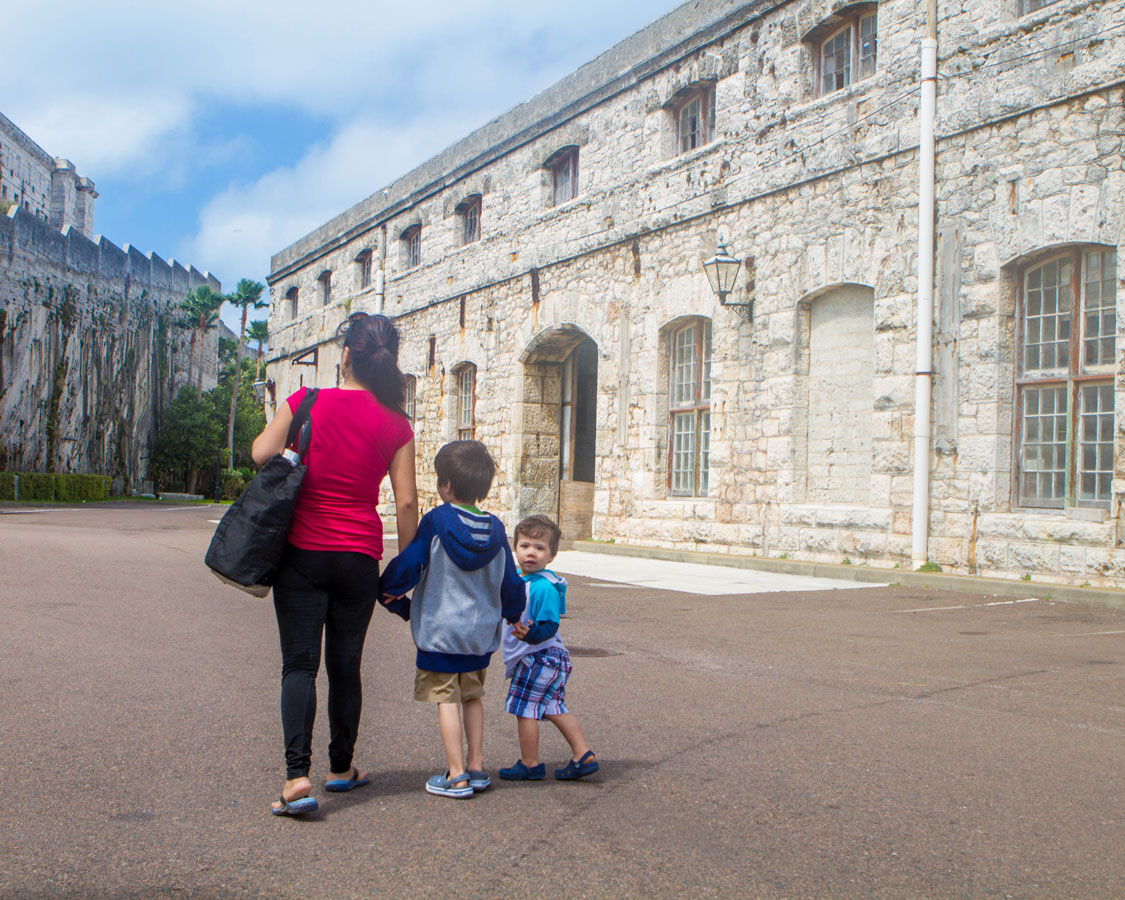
(448, 687)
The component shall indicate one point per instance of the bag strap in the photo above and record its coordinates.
(301, 423)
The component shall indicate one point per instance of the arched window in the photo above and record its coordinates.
(848, 53)
(689, 408)
(564, 175)
(470, 211)
(363, 269)
(291, 302)
(324, 282)
(1065, 406)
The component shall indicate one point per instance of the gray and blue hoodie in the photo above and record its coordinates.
(465, 583)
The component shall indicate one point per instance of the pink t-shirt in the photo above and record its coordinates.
(354, 438)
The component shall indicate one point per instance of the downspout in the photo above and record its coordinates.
(923, 375)
(380, 273)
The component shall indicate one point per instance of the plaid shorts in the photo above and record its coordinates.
(538, 685)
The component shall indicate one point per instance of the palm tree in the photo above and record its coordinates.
(201, 312)
(259, 332)
(246, 294)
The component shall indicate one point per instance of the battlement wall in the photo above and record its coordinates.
(91, 349)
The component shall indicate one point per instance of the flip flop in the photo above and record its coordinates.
(297, 807)
(339, 785)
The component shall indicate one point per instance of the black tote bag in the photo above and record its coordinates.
(248, 542)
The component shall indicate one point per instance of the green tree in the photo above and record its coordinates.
(200, 313)
(250, 418)
(188, 439)
(259, 333)
(247, 294)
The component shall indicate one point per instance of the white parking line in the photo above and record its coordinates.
(970, 605)
(22, 512)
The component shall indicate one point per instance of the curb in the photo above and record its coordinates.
(1111, 598)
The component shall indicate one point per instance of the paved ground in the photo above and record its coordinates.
(885, 742)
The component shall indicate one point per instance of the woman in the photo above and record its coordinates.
(329, 578)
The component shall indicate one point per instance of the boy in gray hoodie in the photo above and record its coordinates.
(465, 585)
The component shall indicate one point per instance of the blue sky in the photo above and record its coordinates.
(219, 132)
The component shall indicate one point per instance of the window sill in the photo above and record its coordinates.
(1077, 513)
(674, 162)
(852, 92)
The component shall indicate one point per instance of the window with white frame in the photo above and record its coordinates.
(324, 286)
(1065, 395)
(363, 266)
(470, 211)
(695, 119)
(410, 386)
(291, 302)
(1030, 6)
(850, 52)
(412, 246)
(689, 408)
(466, 401)
(564, 176)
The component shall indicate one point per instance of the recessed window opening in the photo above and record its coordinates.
(363, 263)
(324, 283)
(1030, 6)
(689, 409)
(850, 53)
(466, 402)
(695, 117)
(564, 177)
(291, 300)
(412, 246)
(410, 385)
(470, 212)
(1068, 328)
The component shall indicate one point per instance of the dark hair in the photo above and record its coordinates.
(372, 343)
(539, 527)
(468, 469)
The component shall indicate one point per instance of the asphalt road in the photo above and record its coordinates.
(868, 743)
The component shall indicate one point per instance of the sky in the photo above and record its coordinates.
(217, 133)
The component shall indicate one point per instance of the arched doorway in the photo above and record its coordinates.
(558, 429)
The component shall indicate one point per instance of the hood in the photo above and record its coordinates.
(557, 580)
(471, 541)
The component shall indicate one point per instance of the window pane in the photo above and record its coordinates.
(1095, 451)
(684, 368)
(465, 399)
(471, 223)
(705, 388)
(1047, 303)
(1028, 6)
(1043, 446)
(1100, 294)
(408, 399)
(683, 453)
(704, 449)
(868, 44)
(836, 62)
(691, 125)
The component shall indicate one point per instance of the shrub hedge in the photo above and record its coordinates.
(45, 486)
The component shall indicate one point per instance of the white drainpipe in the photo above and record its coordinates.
(380, 281)
(920, 517)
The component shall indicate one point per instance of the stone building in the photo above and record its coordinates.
(46, 187)
(91, 345)
(546, 275)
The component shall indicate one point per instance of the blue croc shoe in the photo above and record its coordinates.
(444, 786)
(297, 807)
(520, 772)
(478, 780)
(339, 785)
(579, 769)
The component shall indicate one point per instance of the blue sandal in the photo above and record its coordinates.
(444, 786)
(339, 785)
(579, 769)
(520, 772)
(297, 807)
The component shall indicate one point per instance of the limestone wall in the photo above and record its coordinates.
(90, 352)
(818, 196)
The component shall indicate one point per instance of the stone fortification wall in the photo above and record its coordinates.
(818, 196)
(90, 350)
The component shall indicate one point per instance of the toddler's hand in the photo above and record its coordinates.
(520, 630)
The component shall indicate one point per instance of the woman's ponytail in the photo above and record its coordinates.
(372, 343)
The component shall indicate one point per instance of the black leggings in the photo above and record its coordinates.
(334, 593)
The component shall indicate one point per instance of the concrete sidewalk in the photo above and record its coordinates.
(795, 575)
